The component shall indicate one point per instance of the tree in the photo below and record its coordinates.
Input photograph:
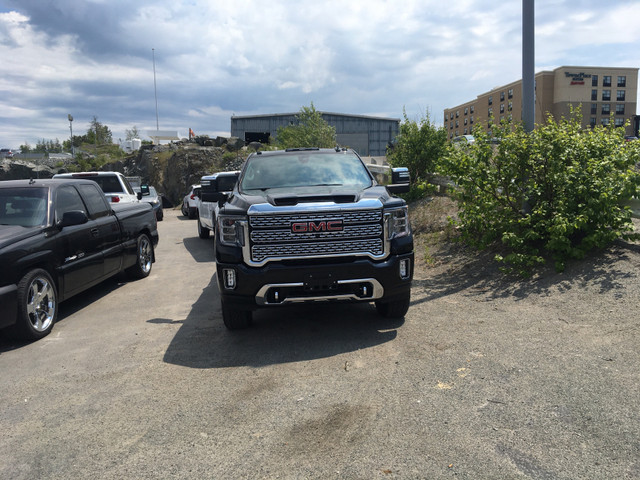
(131, 134)
(310, 130)
(98, 133)
(555, 192)
(26, 148)
(419, 146)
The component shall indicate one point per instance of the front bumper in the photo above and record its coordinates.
(285, 283)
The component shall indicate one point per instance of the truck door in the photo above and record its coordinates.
(82, 261)
(108, 226)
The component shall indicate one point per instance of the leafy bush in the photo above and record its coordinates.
(554, 192)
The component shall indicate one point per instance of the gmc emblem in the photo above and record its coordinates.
(317, 226)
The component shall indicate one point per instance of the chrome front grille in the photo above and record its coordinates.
(349, 217)
(316, 249)
(272, 235)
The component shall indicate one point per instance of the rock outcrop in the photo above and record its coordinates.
(171, 168)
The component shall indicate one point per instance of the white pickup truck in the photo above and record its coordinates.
(220, 182)
(115, 185)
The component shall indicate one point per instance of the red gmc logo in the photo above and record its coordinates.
(317, 226)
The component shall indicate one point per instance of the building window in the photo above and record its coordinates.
(594, 108)
(502, 108)
(502, 96)
(619, 108)
(593, 122)
(490, 99)
(606, 95)
(510, 106)
(457, 123)
(510, 93)
(606, 81)
(620, 95)
(471, 109)
(465, 131)
(466, 120)
(451, 116)
(490, 113)
(594, 80)
(457, 113)
(619, 122)
(606, 108)
(622, 81)
(594, 94)
(456, 133)
(471, 120)
(451, 126)
(501, 118)
(605, 121)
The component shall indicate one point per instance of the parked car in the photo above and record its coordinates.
(190, 202)
(6, 153)
(58, 238)
(115, 185)
(151, 196)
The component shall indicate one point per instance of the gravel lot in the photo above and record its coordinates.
(487, 377)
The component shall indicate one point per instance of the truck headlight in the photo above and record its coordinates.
(231, 230)
(398, 222)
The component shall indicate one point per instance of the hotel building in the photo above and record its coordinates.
(599, 91)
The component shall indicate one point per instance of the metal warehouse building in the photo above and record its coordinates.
(369, 136)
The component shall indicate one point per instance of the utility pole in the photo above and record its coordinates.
(528, 65)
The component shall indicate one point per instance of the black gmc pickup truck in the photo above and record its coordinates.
(311, 225)
(60, 237)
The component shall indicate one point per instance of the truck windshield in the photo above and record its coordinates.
(304, 169)
(26, 207)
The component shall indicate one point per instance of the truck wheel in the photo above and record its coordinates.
(394, 309)
(203, 232)
(37, 305)
(235, 319)
(144, 258)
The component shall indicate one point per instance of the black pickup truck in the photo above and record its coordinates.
(60, 237)
(311, 225)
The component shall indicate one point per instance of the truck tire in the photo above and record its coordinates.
(203, 232)
(37, 306)
(395, 308)
(144, 258)
(235, 319)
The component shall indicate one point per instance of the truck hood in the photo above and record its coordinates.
(301, 195)
(14, 233)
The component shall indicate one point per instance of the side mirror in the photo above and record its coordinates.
(73, 217)
(400, 180)
(139, 195)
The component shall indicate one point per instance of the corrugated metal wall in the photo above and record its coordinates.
(369, 136)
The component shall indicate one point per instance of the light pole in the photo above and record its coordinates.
(155, 88)
(71, 130)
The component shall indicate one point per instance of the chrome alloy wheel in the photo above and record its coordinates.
(41, 303)
(145, 254)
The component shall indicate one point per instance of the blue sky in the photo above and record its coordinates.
(215, 59)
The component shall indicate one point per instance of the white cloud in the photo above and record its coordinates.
(216, 58)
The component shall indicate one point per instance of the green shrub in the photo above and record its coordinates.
(555, 192)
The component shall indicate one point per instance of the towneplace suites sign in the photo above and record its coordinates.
(577, 78)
